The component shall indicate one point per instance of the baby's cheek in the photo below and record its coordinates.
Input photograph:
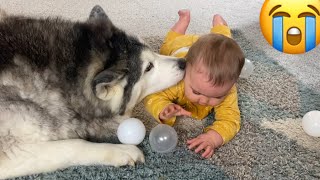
(190, 96)
(214, 102)
(187, 93)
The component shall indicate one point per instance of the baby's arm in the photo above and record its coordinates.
(224, 128)
(227, 117)
(162, 107)
(207, 142)
(172, 111)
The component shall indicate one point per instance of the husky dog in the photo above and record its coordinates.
(62, 86)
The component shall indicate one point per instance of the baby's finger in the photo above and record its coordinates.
(170, 111)
(174, 113)
(183, 112)
(190, 141)
(165, 115)
(200, 147)
(166, 111)
(194, 144)
(176, 107)
(210, 154)
(207, 151)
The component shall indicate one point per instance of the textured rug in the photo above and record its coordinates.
(270, 145)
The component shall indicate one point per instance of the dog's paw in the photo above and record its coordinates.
(121, 155)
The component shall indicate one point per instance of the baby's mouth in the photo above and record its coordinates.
(294, 36)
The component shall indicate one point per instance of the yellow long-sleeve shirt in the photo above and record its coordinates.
(227, 114)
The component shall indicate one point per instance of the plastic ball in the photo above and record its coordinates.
(247, 69)
(131, 131)
(163, 138)
(311, 123)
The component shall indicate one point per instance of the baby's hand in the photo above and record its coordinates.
(173, 110)
(208, 142)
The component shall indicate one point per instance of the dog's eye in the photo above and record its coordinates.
(150, 66)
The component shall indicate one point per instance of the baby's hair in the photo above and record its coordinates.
(220, 54)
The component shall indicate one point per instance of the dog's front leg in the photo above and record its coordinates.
(26, 159)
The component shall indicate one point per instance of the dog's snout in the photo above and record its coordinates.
(182, 64)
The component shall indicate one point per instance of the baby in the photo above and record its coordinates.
(214, 63)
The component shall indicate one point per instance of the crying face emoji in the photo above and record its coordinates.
(291, 26)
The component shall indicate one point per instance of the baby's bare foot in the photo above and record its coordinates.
(218, 20)
(184, 15)
(182, 24)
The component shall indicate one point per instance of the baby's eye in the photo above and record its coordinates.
(216, 98)
(195, 92)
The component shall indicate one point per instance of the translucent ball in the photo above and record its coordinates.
(311, 123)
(247, 69)
(163, 138)
(131, 131)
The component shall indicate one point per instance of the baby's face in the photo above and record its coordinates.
(200, 91)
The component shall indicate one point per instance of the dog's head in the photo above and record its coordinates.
(128, 69)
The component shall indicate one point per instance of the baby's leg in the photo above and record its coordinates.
(218, 20)
(182, 24)
(220, 26)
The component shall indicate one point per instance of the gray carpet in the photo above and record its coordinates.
(270, 145)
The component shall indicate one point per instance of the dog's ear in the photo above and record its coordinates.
(97, 13)
(107, 84)
(100, 28)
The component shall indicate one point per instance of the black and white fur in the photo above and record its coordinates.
(64, 84)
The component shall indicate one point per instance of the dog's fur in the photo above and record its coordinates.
(64, 84)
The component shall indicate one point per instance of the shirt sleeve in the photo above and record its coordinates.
(155, 103)
(227, 117)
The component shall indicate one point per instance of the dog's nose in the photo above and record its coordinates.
(182, 64)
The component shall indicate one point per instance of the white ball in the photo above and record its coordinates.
(311, 123)
(247, 69)
(131, 131)
(163, 138)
